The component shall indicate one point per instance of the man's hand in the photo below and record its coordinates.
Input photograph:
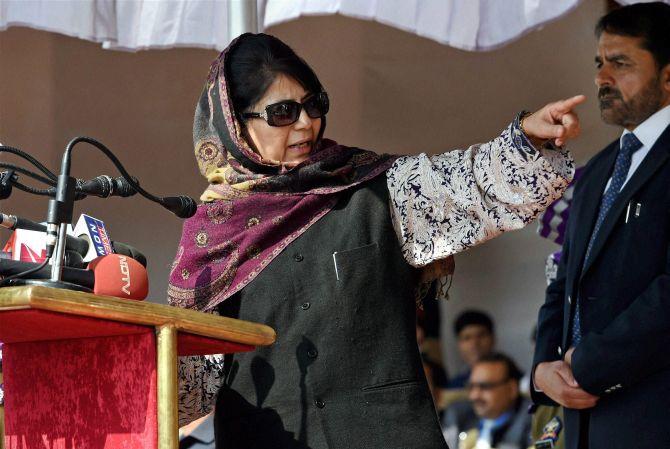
(555, 121)
(555, 379)
(568, 356)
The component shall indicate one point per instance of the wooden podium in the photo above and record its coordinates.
(95, 372)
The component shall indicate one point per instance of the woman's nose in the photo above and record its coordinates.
(304, 120)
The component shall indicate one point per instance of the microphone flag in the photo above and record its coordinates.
(27, 246)
(94, 231)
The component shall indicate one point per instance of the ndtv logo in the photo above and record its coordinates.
(125, 273)
(120, 276)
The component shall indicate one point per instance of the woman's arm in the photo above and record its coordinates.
(199, 380)
(446, 203)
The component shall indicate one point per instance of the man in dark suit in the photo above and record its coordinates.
(495, 416)
(604, 331)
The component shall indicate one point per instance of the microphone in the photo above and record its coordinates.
(110, 275)
(13, 222)
(6, 180)
(94, 232)
(102, 186)
(77, 276)
(73, 259)
(120, 276)
(127, 250)
(182, 206)
(105, 186)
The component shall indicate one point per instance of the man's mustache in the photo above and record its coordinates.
(607, 91)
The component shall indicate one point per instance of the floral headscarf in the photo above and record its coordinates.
(253, 208)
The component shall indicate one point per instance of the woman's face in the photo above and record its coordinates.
(290, 144)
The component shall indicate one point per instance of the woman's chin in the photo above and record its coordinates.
(293, 162)
(296, 155)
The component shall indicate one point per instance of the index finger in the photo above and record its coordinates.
(565, 106)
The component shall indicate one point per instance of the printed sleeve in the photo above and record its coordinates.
(444, 204)
(199, 379)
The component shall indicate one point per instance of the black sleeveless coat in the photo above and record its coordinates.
(345, 371)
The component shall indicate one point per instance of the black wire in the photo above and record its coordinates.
(51, 191)
(27, 172)
(33, 190)
(6, 280)
(29, 158)
(114, 160)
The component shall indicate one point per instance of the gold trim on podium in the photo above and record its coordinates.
(137, 312)
(166, 372)
(167, 320)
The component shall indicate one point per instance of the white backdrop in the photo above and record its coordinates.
(143, 24)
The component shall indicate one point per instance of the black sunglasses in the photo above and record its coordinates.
(287, 112)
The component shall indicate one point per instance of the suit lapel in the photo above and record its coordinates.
(658, 154)
(586, 211)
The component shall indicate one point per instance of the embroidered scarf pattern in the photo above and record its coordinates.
(253, 208)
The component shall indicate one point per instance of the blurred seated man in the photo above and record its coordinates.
(496, 416)
(475, 338)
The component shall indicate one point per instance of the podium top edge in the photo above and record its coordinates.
(136, 312)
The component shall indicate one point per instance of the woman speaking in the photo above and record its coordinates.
(329, 245)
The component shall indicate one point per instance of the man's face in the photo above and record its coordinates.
(630, 85)
(491, 390)
(474, 341)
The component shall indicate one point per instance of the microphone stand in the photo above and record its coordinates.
(59, 215)
(61, 208)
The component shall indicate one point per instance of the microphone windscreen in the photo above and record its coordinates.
(127, 250)
(73, 259)
(120, 276)
(123, 188)
(182, 206)
(80, 246)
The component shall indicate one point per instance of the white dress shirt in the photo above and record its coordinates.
(648, 133)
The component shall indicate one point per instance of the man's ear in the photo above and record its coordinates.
(665, 79)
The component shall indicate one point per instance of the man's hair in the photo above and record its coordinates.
(513, 371)
(473, 317)
(649, 21)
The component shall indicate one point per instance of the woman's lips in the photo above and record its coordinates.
(300, 148)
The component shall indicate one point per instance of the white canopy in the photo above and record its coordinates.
(141, 24)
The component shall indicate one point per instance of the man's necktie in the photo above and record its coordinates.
(629, 145)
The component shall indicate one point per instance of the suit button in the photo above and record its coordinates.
(298, 257)
(305, 305)
(319, 403)
(560, 351)
(312, 353)
(569, 299)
